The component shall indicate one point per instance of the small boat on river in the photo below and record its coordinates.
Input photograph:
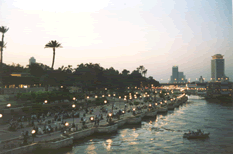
(196, 135)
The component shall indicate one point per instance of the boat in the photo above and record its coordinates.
(196, 135)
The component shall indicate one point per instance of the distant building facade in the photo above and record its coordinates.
(32, 60)
(219, 88)
(201, 80)
(217, 69)
(177, 77)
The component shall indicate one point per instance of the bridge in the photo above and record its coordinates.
(175, 84)
(178, 84)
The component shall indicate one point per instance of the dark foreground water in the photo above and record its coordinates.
(164, 134)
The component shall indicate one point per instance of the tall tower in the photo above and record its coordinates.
(217, 68)
(32, 60)
(175, 74)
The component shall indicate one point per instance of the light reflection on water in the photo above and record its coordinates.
(164, 134)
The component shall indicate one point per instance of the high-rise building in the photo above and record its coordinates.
(32, 60)
(175, 73)
(177, 77)
(217, 68)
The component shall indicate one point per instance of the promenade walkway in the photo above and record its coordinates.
(9, 136)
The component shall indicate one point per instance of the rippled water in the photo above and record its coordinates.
(164, 134)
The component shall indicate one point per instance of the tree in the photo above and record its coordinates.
(3, 30)
(36, 70)
(144, 72)
(141, 69)
(54, 45)
(125, 72)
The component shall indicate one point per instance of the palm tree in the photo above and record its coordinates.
(54, 45)
(3, 30)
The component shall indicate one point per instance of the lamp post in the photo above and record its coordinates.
(45, 101)
(134, 111)
(33, 135)
(106, 91)
(8, 105)
(0, 115)
(66, 124)
(110, 117)
(87, 100)
(120, 101)
(123, 112)
(73, 106)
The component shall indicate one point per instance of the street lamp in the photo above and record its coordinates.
(33, 134)
(61, 86)
(134, 111)
(96, 96)
(110, 117)
(8, 105)
(92, 119)
(0, 115)
(66, 124)
(109, 95)
(120, 101)
(102, 95)
(74, 98)
(45, 101)
(123, 112)
(73, 106)
(105, 101)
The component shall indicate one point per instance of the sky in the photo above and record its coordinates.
(122, 34)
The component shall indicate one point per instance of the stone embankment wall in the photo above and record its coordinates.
(107, 129)
(83, 133)
(134, 120)
(23, 149)
(57, 144)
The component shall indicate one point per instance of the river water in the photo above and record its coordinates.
(164, 134)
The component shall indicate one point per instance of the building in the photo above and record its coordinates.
(21, 80)
(219, 88)
(201, 80)
(217, 69)
(32, 60)
(177, 77)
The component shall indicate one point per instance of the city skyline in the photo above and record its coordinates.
(122, 35)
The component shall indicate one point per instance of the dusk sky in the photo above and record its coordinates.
(121, 33)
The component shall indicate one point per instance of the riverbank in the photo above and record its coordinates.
(126, 119)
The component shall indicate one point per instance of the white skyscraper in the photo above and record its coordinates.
(32, 60)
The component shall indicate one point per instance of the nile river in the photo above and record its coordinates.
(164, 134)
